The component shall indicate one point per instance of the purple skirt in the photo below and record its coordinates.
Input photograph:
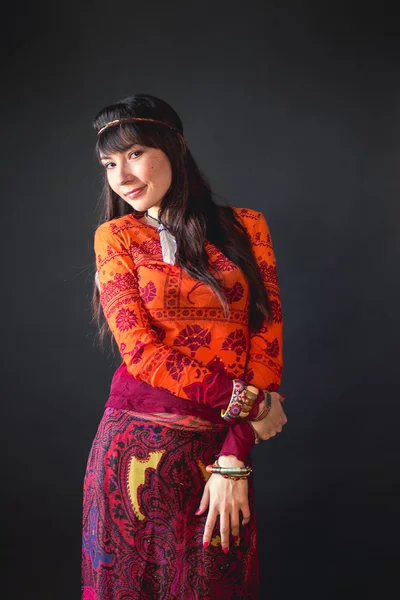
(141, 539)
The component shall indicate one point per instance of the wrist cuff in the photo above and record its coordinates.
(242, 401)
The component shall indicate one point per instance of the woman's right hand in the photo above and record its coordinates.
(274, 421)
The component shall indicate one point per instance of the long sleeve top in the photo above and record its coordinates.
(179, 350)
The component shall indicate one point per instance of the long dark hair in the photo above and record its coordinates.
(193, 215)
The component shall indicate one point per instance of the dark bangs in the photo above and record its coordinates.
(122, 137)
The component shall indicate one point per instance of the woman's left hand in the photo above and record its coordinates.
(224, 497)
(275, 419)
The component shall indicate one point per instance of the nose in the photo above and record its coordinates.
(125, 173)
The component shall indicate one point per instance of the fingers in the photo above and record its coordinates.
(205, 501)
(246, 515)
(235, 522)
(226, 502)
(228, 523)
(224, 530)
(275, 426)
(209, 527)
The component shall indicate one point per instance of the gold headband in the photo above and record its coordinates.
(132, 119)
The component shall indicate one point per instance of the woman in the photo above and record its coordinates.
(190, 296)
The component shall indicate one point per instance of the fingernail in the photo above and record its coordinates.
(205, 545)
(197, 511)
(283, 395)
(225, 550)
(235, 538)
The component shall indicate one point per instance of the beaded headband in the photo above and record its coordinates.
(132, 119)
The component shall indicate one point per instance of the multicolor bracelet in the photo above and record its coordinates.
(241, 402)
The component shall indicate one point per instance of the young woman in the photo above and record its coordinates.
(189, 294)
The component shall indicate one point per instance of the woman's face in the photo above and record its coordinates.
(139, 167)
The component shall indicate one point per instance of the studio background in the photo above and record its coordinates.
(290, 109)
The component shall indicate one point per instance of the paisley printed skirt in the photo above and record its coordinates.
(141, 538)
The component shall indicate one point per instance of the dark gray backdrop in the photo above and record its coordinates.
(291, 109)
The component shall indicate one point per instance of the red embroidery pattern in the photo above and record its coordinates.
(272, 349)
(194, 337)
(173, 327)
(148, 292)
(176, 365)
(236, 342)
(276, 311)
(217, 364)
(159, 331)
(121, 282)
(126, 319)
(152, 247)
(117, 304)
(135, 354)
(238, 317)
(221, 263)
(234, 293)
(268, 273)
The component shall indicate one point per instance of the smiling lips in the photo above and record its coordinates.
(136, 192)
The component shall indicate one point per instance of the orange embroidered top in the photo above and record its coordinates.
(170, 328)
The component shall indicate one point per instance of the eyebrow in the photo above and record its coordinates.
(129, 148)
